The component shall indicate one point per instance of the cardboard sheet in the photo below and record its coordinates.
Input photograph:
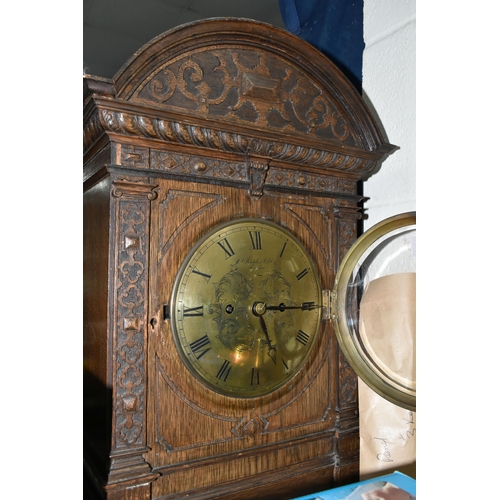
(387, 329)
(387, 326)
(387, 434)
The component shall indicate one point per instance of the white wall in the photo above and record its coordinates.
(387, 432)
(389, 83)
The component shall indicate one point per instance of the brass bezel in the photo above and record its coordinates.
(405, 399)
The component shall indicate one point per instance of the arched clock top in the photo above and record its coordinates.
(195, 83)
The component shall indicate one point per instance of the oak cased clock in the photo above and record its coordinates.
(220, 195)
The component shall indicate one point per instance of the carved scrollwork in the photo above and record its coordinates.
(126, 188)
(243, 85)
(163, 88)
(191, 71)
(131, 350)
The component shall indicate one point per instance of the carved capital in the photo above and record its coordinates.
(133, 189)
(257, 173)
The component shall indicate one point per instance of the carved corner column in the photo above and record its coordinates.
(347, 442)
(130, 475)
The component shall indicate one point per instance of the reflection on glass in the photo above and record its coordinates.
(380, 308)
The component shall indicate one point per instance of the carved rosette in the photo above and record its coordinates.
(132, 216)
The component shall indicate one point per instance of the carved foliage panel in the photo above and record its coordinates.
(249, 87)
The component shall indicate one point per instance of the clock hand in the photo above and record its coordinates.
(271, 350)
(306, 306)
(259, 309)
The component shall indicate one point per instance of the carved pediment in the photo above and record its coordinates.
(241, 87)
(251, 74)
(247, 87)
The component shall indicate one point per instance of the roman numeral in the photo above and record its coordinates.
(302, 337)
(255, 377)
(224, 370)
(285, 365)
(193, 311)
(256, 241)
(203, 275)
(224, 244)
(302, 274)
(283, 250)
(198, 346)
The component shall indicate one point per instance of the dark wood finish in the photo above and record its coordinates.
(210, 122)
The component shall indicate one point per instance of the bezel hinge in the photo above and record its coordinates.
(327, 297)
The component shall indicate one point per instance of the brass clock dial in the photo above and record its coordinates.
(246, 308)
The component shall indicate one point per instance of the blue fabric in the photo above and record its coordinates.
(335, 27)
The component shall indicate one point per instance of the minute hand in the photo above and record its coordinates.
(306, 306)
